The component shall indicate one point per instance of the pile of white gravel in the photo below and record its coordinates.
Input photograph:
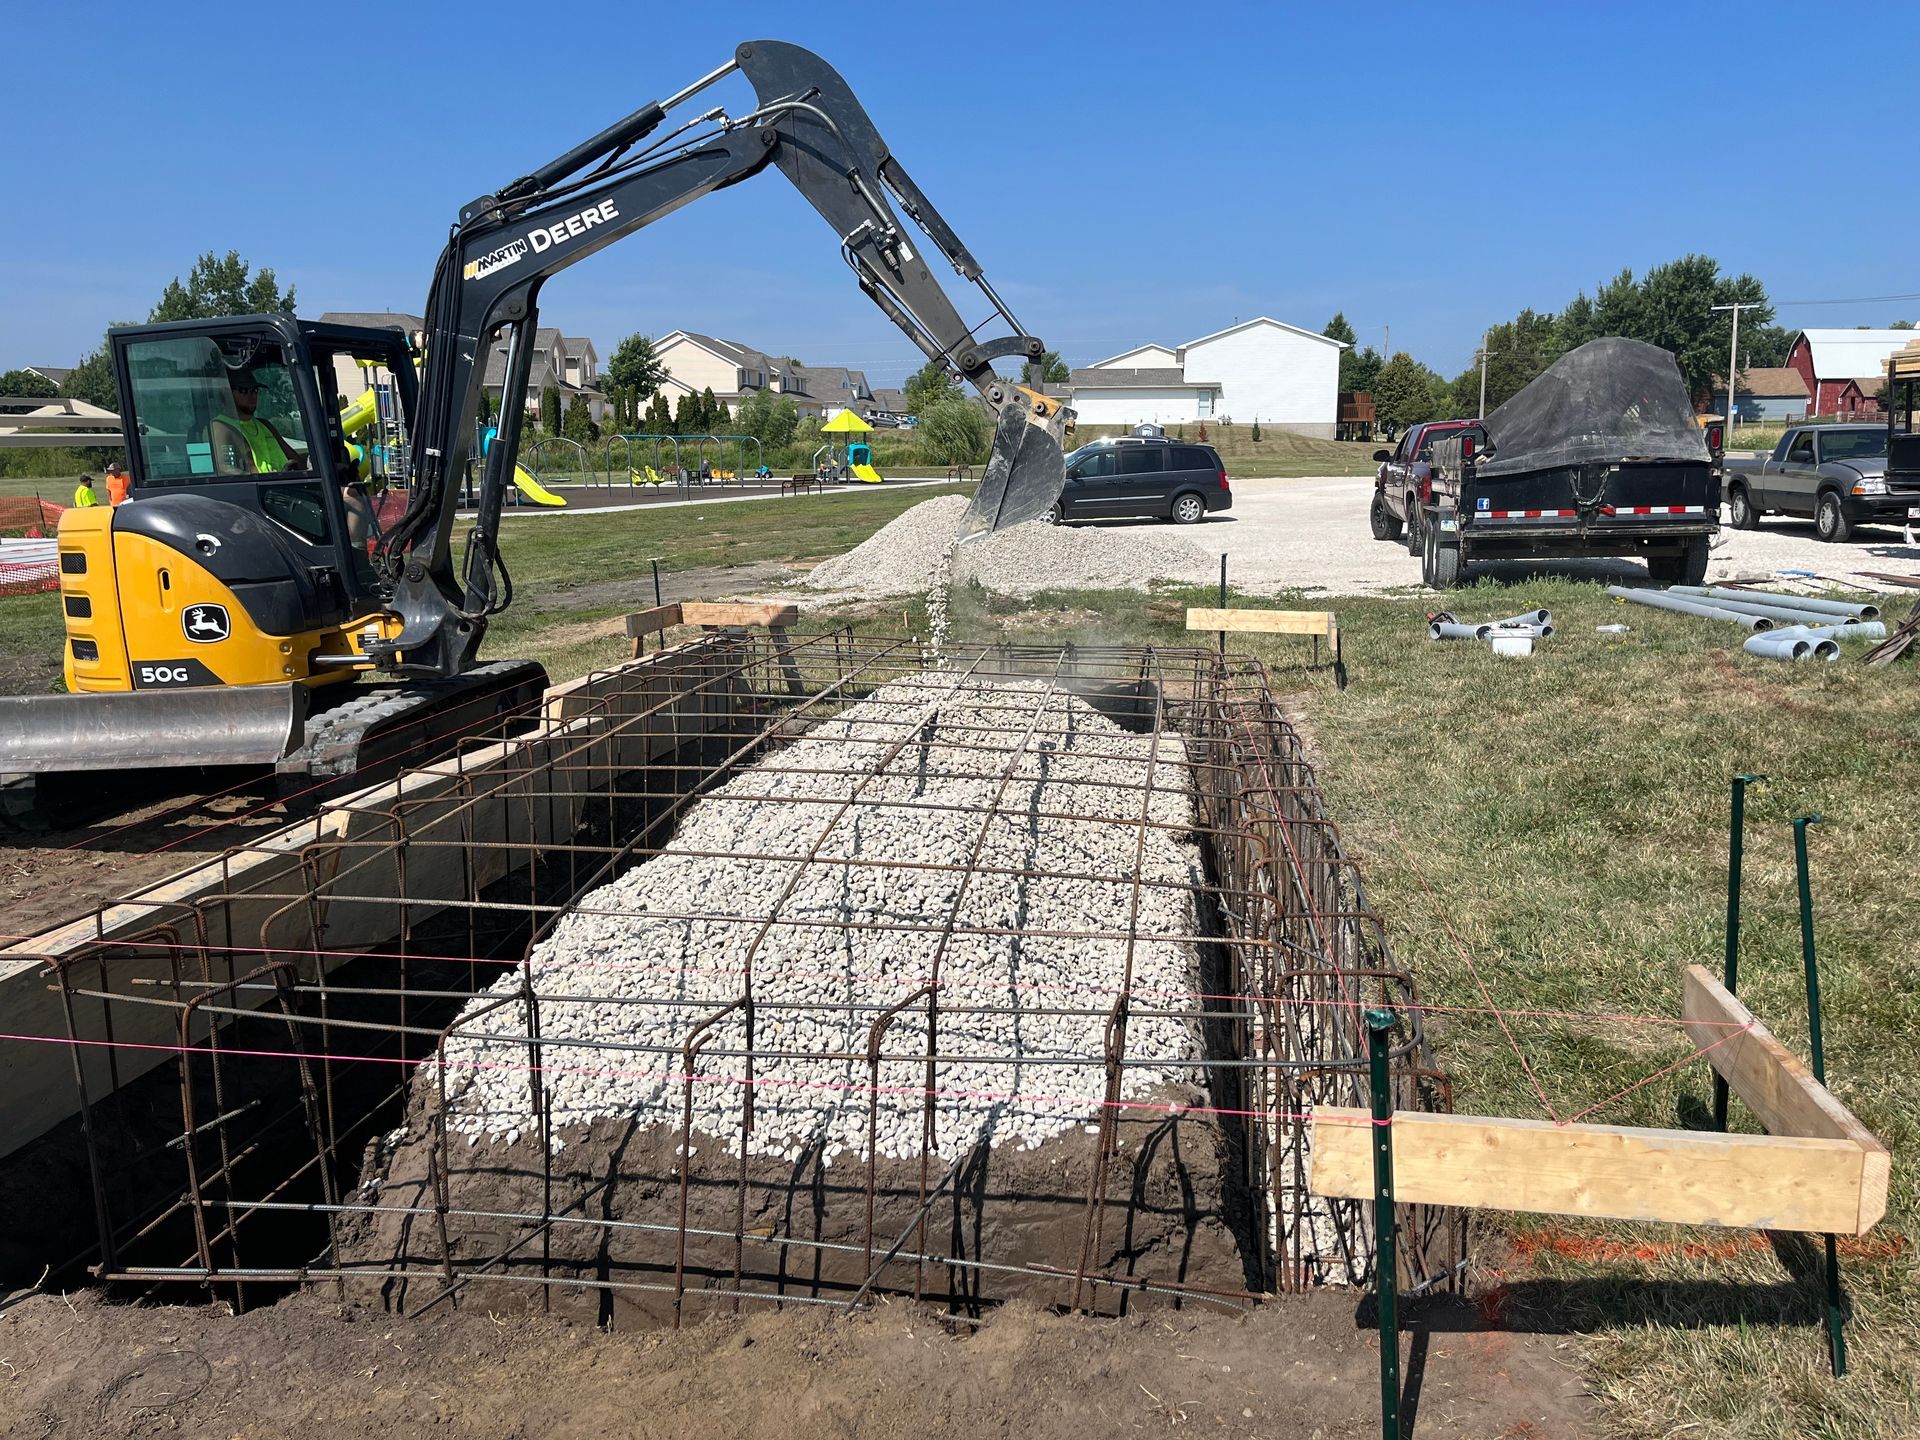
(642, 972)
(899, 558)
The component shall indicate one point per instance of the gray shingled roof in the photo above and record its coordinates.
(374, 319)
(1138, 380)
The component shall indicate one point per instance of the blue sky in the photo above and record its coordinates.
(1124, 172)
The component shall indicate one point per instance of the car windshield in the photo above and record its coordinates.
(1860, 444)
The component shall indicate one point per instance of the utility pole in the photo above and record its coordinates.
(1485, 355)
(1733, 353)
(1386, 342)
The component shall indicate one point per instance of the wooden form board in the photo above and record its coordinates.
(710, 612)
(1820, 1171)
(1266, 622)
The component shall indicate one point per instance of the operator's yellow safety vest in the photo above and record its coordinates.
(267, 454)
(83, 495)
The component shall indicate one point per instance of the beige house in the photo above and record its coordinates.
(696, 363)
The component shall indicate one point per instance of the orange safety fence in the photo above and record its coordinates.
(28, 562)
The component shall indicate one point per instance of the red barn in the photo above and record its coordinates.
(1831, 360)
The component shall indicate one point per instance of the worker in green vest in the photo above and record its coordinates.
(243, 443)
(83, 492)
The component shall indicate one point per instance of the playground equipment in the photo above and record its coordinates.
(857, 462)
(660, 466)
(695, 460)
(523, 478)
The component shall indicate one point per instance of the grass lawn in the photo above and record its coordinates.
(1568, 815)
(1277, 454)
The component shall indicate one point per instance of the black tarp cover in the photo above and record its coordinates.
(1611, 399)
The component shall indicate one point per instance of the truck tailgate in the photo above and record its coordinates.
(1597, 497)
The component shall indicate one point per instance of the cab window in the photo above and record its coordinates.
(205, 407)
(1802, 451)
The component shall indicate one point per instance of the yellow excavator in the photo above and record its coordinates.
(230, 612)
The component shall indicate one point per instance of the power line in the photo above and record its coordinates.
(1852, 300)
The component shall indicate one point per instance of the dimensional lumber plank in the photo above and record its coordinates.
(1265, 622)
(719, 612)
(1775, 1085)
(1685, 1177)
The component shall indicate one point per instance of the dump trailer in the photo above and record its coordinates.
(234, 611)
(1599, 456)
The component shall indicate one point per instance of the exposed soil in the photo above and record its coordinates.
(1304, 1367)
(1173, 1216)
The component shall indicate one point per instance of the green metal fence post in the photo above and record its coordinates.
(1736, 837)
(1836, 1320)
(1386, 1258)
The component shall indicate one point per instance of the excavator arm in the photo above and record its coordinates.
(808, 125)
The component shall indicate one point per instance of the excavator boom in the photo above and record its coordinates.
(506, 244)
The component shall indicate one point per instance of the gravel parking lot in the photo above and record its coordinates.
(1312, 535)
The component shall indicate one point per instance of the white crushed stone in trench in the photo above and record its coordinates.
(901, 557)
(1077, 764)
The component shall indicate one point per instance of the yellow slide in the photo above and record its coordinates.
(357, 416)
(866, 474)
(534, 490)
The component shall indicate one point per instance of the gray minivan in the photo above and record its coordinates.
(1143, 477)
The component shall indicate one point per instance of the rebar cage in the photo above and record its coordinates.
(268, 1063)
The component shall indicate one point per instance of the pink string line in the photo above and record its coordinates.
(921, 1092)
(1684, 1060)
(726, 972)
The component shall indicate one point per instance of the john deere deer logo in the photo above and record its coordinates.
(206, 623)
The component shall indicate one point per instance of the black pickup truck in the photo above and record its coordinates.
(1600, 455)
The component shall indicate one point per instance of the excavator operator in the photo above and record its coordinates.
(243, 443)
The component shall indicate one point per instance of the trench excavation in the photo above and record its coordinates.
(770, 969)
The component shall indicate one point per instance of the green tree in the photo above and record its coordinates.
(930, 384)
(686, 415)
(1403, 392)
(26, 385)
(550, 409)
(771, 419)
(92, 380)
(487, 407)
(713, 415)
(1339, 329)
(1054, 370)
(1765, 347)
(636, 367)
(953, 431)
(216, 287)
(1358, 370)
(578, 424)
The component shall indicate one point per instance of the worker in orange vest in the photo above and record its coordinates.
(117, 482)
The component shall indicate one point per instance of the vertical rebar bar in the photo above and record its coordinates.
(1736, 832)
(1836, 1318)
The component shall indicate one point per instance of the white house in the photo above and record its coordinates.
(1260, 369)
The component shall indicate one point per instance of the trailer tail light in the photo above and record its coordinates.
(1716, 440)
(1466, 448)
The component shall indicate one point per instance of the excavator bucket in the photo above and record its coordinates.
(1026, 469)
